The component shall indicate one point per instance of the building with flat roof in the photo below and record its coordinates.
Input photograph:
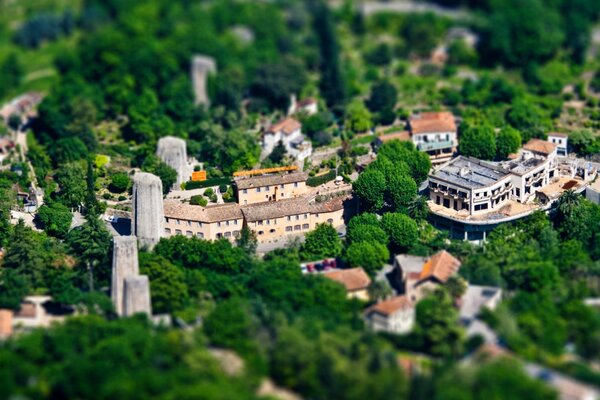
(467, 194)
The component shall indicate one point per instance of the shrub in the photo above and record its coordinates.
(209, 192)
(198, 200)
(314, 181)
(222, 188)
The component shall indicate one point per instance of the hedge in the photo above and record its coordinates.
(189, 185)
(321, 179)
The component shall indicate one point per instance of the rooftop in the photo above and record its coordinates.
(287, 125)
(521, 164)
(470, 172)
(293, 206)
(209, 214)
(557, 134)
(269, 180)
(432, 122)
(353, 279)
(441, 266)
(475, 299)
(389, 307)
(539, 146)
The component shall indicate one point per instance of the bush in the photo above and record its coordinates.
(119, 182)
(315, 181)
(222, 188)
(107, 196)
(198, 200)
(122, 198)
(214, 198)
(209, 192)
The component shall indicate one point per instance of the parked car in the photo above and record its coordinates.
(112, 219)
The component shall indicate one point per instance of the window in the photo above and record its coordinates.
(200, 235)
(199, 224)
(267, 189)
(282, 186)
(447, 203)
(289, 218)
(189, 233)
(218, 224)
(235, 222)
(167, 231)
(297, 227)
(189, 223)
(304, 226)
(272, 231)
(295, 184)
(219, 235)
(236, 233)
(178, 231)
(297, 217)
(260, 222)
(167, 220)
(330, 221)
(305, 216)
(227, 223)
(268, 222)
(177, 221)
(288, 228)
(245, 191)
(317, 215)
(261, 233)
(227, 234)
(257, 190)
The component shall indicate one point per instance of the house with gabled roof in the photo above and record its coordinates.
(395, 315)
(289, 132)
(355, 281)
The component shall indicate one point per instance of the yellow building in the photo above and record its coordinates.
(259, 189)
(211, 223)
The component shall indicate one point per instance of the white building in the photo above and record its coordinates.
(434, 133)
(477, 186)
(396, 315)
(561, 142)
(288, 131)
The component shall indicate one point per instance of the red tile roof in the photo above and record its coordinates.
(442, 265)
(432, 122)
(540, 146)
(353, 279)
(287, 126)
(389, 307)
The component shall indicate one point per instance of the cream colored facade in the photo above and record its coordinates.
(273, 192)
(210, 223)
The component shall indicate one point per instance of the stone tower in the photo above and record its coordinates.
(202, 66)
(173, 152)
(148, 212)
(136, 296)
(124, 265)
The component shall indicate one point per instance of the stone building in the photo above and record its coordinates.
(210, 223)
(263, 188)
(148, 213)
(355, 281)
(396, 315)
(288, 131)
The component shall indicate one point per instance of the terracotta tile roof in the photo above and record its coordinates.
(557, 134)
(432, 122)
(401, 135)
(306, 102)
(269, 180)
(389, 307)
(275, 209)
(287, 126)
(330, 205)
(27, 310)
(353, 279)
(442, 265)
(539, 146)
(209, 214)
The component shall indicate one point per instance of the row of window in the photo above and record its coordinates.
(200, 234)
(199, 224)
(267, 188)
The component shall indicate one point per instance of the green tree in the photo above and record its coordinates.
(278, 154)
(508, 141)
(358, 118)
(119, 182)
(382, 101)
(275, 82)
(12, 73)
(247, 241)
(321, 242)
(167, 175)
(361, 232)
(369, 255)
(13, 288)
(55, 218)
(438, 327)
(370, 188)
(402, 190)
(71, 181)
(168, 289)
(91, 243)
(531, 120)
(518, 33)
(479, 142)
(402, 230)
(418, 208)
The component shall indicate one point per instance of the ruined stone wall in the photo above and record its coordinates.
(148, 212)
(124, 265)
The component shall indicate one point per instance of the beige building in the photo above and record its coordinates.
(396, 315)
(355, 281)
(272, 206)
(259, 189)
(210, 223)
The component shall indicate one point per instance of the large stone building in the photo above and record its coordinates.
(469, 194)
(289, 132)
(272, 206)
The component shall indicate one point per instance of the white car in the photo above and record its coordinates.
(112, 219)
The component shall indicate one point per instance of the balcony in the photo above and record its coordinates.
(429, 146)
